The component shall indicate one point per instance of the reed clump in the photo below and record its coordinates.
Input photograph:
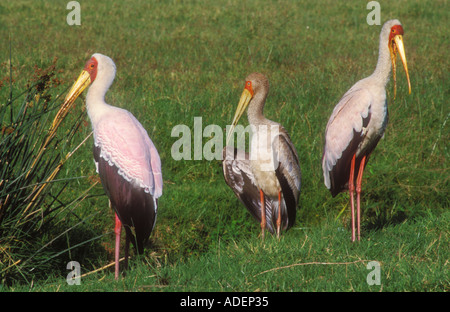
(33, 149)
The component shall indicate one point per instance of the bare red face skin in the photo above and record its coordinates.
(91, 67)
(248, 86)
(395, 30)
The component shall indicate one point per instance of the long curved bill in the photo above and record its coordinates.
(242, 105)
(78, 87)
(401, 51)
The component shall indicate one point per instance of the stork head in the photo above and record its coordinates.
(99, 69)
(394, 30)
(255, 83)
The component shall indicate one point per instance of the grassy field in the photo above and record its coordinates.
(177, 60)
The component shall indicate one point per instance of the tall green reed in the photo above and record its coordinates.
(33, 149)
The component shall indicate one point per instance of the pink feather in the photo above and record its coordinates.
(125, 143)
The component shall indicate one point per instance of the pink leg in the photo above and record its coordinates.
(263, 214)
(351, 189)
(279, 215)
(117, 230)
(358, 193)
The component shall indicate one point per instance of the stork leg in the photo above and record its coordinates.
(117, 231)
(279, 215)
(358, 193)
(351, 189)
(263, 214)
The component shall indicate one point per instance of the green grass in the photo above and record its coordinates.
(176, 61)
(317, 259)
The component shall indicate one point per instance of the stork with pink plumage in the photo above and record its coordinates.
(358, 122)
(125, 157)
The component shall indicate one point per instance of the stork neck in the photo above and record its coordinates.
(255, 111)
(95, 101)
(383, 69)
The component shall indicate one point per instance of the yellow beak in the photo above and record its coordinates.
(78, 87)
(242, 105)
(401, 51)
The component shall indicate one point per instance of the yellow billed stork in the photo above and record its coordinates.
(269, 176)
(358, 122)
(126, 158)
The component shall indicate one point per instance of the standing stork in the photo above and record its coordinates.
(125, 157)
(269, 177)
(358, 121)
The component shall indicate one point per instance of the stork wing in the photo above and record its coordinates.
(125, 144)
(134, 207)
(288, 174)
(344, 133)
(238, 176)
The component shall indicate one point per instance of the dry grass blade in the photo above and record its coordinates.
(310, 263)
(60, 115)
(53, 175)
(102, 268)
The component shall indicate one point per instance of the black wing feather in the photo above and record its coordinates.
(238, 177)
(134, 207)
